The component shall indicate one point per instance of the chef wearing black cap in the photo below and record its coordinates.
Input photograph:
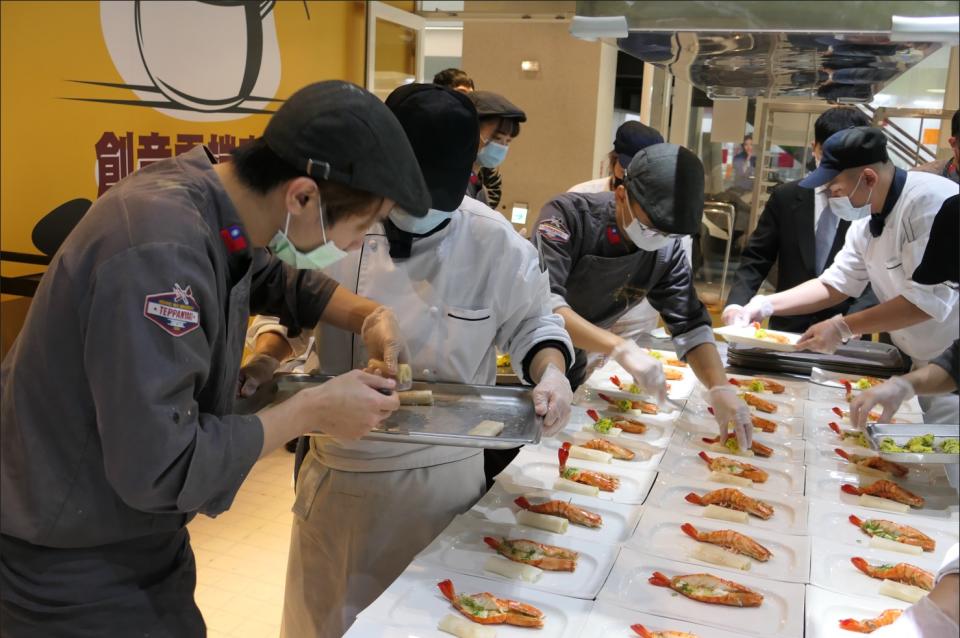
(456, 301)
(891, 211)
(500, 121)
(117, 396)
(606, 252)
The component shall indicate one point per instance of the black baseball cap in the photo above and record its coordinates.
(337, 131)
(634, 136)
(666, 181)
(940, 261)
(489, 103)
(442, 127)
(849, 148)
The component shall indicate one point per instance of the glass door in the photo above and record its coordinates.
(394, 48)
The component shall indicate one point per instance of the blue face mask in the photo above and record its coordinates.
(418, 225)
(492, 154)
(320, 257)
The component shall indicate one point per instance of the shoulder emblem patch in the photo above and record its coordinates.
(177, 312)
(554, 230)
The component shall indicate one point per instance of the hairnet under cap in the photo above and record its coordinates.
(666, 181)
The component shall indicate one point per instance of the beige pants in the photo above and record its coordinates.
(355, 532)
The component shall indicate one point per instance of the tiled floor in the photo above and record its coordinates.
(242, 554)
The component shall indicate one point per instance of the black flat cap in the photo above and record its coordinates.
(666, 180)
(337, 131)
(849, 148)
(489, 103)
(940, 259)
(442, 127)
(633, 136)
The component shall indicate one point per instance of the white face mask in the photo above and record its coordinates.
(418, 225)
(844, 209)
(646, 238)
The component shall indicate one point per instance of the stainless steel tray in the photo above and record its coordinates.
(901, 433)
(455, 411)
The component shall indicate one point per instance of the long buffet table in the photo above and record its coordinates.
(808, 584)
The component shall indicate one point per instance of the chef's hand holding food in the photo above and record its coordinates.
(756, 310)
(728, 408)
(889, 395)
(348, 406)
(551, 399)
(381, 335)
(258, 369)
(647, 372)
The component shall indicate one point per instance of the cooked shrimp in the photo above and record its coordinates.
(605, 482)
(759, 384)
(735, 468)
(894, 532)
(758, 448)
(643, 632)
(563, 509)
(886, 489)
(732, 498)
(870, 625)
(625, 405)
(729, 539)
(521, 550)
(761, 404)
(874, 462)
(901, 572)
(852, 437)
(672, 374)
(617, 451)
(765, 425)
(487, 609)
(707, 588)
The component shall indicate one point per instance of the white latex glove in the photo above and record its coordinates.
(729, 408)
(349, 406)
(552, 398)
(646, 371)
(730, 314)
(381, 335)
(757, 309)
(258, 370)
(826, 336)
(889, 395)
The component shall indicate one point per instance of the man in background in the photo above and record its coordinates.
(947, 167)
(456, 79)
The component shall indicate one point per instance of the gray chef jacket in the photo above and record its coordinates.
(600, 275)
(117, 395)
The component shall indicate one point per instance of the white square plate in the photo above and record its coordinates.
(784, 450)
(659, 426)
(619, 520)
(746, 336)
(460, 547)
(825, 610)
(780, 614)
(795, 388)
(646, 457)
(786, 406)
(830, 567)
(538, 470)
(782, 477)
(823, 453)
(659, 534)
(832, 521)
(414, 603)
(790, 510)
(613, 621)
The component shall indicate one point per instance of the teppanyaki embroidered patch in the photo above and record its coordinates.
(554, 230)
(176, 311)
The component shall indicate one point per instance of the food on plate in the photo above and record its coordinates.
(874, 462)
(723, 514)
(732, 498)
(463, 628)
(906, 593)
(553, 524)
(872, 417)
(666, 359)
(719, 556)
(759, 384)
(764, 425)
(761, 404)
(589, 454)
(850, 437)
(643, 632)
(617, 451)
(547, 557)
(512, 570)
(630, 426)
(632, 388)
(765, 335)
(729, 479)
(731, 444)
(901, 573)
(416, 397)
(672, 374)
(487, 609)
(708, 588)
(600, 480)
(625, 405)
(870, 625)
(886, 489)
(566, 485)
(923, 444)
(729, 539)
(487, 428)
(563, 509)
(603, 425)
(863, 383)
(736, 468)
(503, 360)
(879, 528)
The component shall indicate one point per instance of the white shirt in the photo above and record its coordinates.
(820, 200)
(887, 263)
(599, 185)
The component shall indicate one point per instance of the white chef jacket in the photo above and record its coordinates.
(466, 290)
(887, 263)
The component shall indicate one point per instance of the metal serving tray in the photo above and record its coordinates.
(456, 410)
(901, 433)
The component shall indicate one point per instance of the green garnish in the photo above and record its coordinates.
(761, 333)
(756, 386)
(604, 425)
(731, 444)
(570, 472)
(624, 405)
(950, 446)
(862, 384)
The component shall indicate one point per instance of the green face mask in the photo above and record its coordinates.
(320, 257)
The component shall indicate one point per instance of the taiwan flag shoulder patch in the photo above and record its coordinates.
(177, 312)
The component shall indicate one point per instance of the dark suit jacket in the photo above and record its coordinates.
(785, 235)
